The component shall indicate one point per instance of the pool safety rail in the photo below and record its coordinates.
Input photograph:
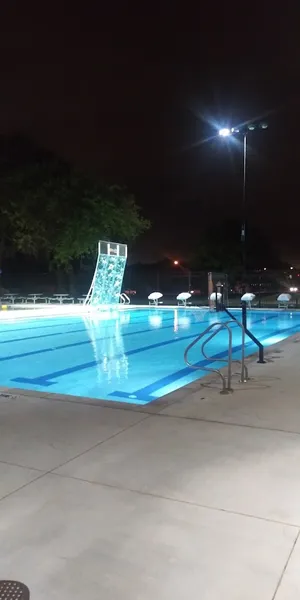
(213, 330)
(249, 333)
(220, 306)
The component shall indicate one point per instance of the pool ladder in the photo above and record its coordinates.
(225, 379)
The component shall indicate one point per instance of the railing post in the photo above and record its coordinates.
(244, 374)
(244, 314)
(229, 388)
(247, 332)
(261, 355)
(217, 306)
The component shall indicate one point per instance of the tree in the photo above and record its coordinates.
(221, 249)
(51, 208)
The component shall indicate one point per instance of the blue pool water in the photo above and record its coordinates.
(133, 356)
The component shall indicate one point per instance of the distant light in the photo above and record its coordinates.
(251, 127)
(176, 262)
(264, 125)
(265, 268)
(224, 132)
(291, 268)
(293, 289)
(192, 292)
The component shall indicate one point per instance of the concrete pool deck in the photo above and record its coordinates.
(195, 496)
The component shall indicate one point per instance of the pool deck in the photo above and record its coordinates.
(196, 496)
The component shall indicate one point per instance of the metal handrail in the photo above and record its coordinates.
(219, 359)
(221, 325)
(244, 369)
(226, 389)
(246, 330)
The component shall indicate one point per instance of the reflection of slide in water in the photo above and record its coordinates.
(105, 332)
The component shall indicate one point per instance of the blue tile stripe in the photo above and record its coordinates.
(45, 380)
(75, 344)
(36, 326)
(49, 378)
(82, 330)
(71, 331)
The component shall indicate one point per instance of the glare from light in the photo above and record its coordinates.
(155, 321)
(176, 262)
(293, 289)
(184, 322)
(51, 311)
(175, 320)
(224, 132)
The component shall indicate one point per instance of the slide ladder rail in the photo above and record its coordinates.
(124, 299)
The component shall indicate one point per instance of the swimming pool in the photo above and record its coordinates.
(133, 356)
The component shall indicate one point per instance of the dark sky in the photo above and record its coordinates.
(132, 90)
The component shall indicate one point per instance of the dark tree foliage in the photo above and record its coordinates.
(48, 207)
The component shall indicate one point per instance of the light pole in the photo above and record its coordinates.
(244, 130)
(185, 270)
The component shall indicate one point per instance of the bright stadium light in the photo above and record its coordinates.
(224, 132)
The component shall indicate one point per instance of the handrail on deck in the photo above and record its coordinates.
(246, 330)
(226, 384)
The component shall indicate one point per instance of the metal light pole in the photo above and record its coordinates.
(225, 132)
(243, 230)
(187, 271)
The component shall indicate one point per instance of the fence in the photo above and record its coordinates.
(144, 279)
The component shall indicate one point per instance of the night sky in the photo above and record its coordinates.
(131, 92)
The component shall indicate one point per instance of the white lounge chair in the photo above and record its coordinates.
(284, 300)
(154, 297)
(248, 298)
(182, 298)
